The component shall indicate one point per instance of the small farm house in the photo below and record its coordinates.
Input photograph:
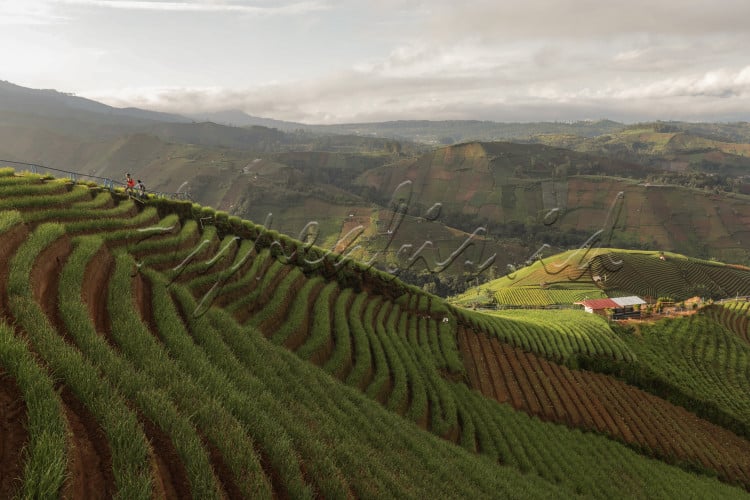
(622, 307)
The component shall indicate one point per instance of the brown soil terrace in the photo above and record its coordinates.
(94, 293)
(89, 455)
(593, 401)
(90, 459)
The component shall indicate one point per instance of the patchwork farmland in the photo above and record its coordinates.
(575, 275)
(144, 353)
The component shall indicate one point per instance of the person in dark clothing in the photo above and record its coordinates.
(140, 189)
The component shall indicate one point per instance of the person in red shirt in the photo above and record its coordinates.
(129, 184)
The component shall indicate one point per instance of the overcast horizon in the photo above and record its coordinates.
(335, 61)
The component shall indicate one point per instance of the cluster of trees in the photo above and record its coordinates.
(444, 284)
(699, 180)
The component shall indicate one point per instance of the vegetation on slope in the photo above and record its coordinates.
(265, 367)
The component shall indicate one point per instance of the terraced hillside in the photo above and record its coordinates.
(577, 274)
(568, 196)
(161, 349)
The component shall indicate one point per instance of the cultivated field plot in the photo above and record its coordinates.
(144, 354)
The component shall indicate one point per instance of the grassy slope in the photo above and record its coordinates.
(346, 442)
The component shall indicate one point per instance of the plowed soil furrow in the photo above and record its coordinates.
(89, 457)
(585, 404)
(94, 293)
(682, 443)
(496, 376)
(170, 478)
(609, 407)
(222, 471)
(298, 337)
(142, 296)
(604, 404)
(569, 409)
(590, 401)
(513, 388)
(269, 289)
(45, 277)
(620, 420)
(518, 361)
(465, 350)
(13, 436)
(485, 381)
(554, 406)
(670, 442)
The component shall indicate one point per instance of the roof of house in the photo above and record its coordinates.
(616, 303)
(629, 301)
(597, 304)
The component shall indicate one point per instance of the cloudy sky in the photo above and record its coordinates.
(332, 61)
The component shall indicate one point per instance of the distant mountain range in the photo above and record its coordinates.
(53, 103)
(685, 184)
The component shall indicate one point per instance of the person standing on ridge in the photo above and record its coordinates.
(141, 188)
(129, 184)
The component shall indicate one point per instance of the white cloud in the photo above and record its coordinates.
(356, 60)
(718, 83)
(293, 8)
(29, 13)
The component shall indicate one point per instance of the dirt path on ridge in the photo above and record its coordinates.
(95, 290)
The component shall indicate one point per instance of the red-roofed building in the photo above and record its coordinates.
(622, 307)
(598, 306)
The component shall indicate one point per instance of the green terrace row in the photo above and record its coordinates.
(676, 276)
(556, 335)
(733, 315)
(173, 371)
(304, 433)
(698, 364)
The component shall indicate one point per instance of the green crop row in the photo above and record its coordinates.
(283, 275)
(297, 314)
(113, 228)
(697, 363)
(339, 363)
(175, 390)
(557, 335)
(129, 460)
(320, 330)
(45, 459)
